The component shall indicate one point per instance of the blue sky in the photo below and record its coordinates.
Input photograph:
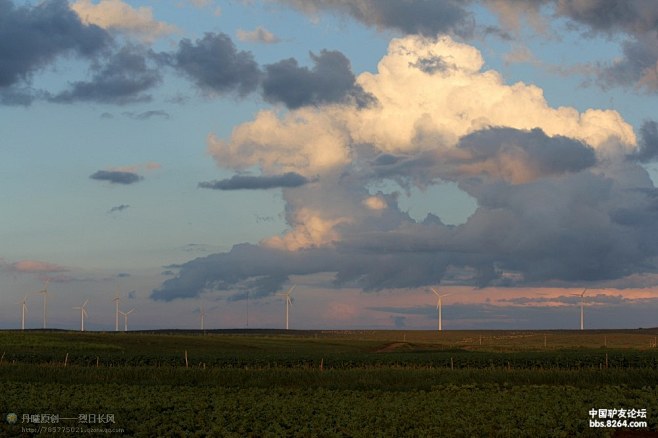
(195, 153)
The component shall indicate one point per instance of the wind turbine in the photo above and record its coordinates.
(125, 318)
(288, 302)
(202, 315)
(439, 305)
(582, 307)
(23, 311)
(116, 312)
(83, 314)
(44, 292)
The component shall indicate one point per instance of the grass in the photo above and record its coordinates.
(332, 383)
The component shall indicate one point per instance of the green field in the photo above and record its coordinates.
(329, 383)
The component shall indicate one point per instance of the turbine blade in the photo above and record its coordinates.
(291, 289)
(435, 291)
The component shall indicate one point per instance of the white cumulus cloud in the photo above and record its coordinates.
(431, 94)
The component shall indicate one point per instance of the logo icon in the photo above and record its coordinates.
(12, 418)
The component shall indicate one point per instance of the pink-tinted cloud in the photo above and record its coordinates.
(35, 267)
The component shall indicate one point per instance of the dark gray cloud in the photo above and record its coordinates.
(630, 16)
(262, 271)
(497, 153)
(648, 144)
(118, 208)
(424, 17)
(637, 19)
(19, 96)
(147, 115)
(518, 156)
(116, 177)
(431, 65)
(216, 66)
(329, 81)
(638, 67)
(563, 228)
(32, 37)
(123, 78)
(599, 16)
(241, 182)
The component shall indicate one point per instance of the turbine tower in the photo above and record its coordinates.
(116, 307)
(23, 311)
(44, 292)
(288, 302)
(202, 315)
(439, 306)
(125, 318)
(83, 314)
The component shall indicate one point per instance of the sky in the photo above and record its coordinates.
(195, 156)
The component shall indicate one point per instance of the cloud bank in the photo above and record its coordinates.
(35, 36)
(410, 17)
(634, 19)
(561, 198)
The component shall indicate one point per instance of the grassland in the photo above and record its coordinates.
(331, 383)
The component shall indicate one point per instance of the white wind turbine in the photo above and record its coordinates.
(288, 302)
(44, 292)
(116, 312)
(439, 306)
(202, 315)
(125, 318)
(582, 308)
(23, 311)
(83, 314)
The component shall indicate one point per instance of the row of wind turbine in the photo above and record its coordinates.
(202, 314)
(82, 308)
